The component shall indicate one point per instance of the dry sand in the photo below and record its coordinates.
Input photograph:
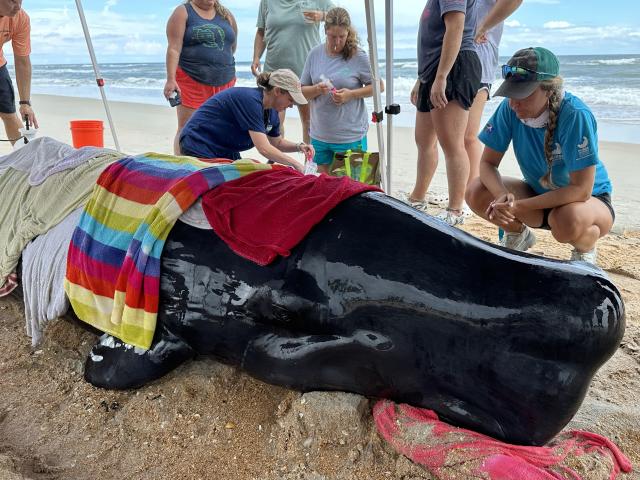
(209, 421)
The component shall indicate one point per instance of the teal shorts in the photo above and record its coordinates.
(325, 151)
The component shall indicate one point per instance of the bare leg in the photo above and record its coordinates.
(184, 113)
(305, 119)
(426, 142)
(471, 143)
(12, 125)
(478, 198)
(450, 124)
(581, 224)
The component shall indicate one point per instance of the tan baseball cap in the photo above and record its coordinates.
(289, 81)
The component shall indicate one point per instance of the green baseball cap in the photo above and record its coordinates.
(525, 70)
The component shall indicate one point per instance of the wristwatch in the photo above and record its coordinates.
(25, 102)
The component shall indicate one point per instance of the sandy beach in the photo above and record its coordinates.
(209, 421)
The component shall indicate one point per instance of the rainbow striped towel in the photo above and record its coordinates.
(113, 265)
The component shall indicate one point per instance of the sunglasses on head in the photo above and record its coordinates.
(520, 74)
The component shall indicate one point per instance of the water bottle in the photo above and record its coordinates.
(328, 83)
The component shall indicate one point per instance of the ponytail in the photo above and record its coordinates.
(554, 86)
(263, 80)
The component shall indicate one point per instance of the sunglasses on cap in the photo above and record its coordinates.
(521, 74)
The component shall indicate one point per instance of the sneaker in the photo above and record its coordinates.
(589, 257)
(466, 211)
(439, 199)
(450, 217)
(521, 242)
(421, 205)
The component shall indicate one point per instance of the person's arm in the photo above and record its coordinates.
(578, 190)
(273, 148)
(234, 26)
(259, 46)
(23, 81)
(344, 95)
(498, 13)
(489, 174)
(176, 26)
(454, 27)
(312, 91)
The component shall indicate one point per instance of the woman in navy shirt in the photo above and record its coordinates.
(241, 118)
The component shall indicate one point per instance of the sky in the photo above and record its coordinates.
(134, 30)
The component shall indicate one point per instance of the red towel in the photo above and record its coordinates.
(449, 452)
(266, 214)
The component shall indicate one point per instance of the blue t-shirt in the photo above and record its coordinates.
(575, 144)
(207, 54)
(220, 127)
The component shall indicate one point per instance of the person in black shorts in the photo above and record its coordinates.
(449, 77)
(15, 27)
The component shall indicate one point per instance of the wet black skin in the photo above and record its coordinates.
(385, 301)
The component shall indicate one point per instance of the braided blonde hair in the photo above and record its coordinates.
(554, 88)
(339, 17)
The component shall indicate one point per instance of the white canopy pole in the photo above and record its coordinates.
(99, 79)
(377, 101)
(389, 64)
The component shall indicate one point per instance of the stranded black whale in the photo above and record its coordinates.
(385, 301)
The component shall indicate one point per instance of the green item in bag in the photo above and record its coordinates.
(360, 166)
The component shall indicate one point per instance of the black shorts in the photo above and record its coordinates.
(7, 95)
(603, 197)
(463, 82)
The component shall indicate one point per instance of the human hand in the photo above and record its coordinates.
(322, 88)
(308, 151)
(342, 96)
(26, 112)
(169, 87)
(414, 93)
(502, 209)
(437, 95)
(481, 35)
(313, 16)
(255, 67)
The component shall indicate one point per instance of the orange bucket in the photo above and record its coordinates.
(87, 133)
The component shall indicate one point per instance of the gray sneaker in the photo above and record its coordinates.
(521, 242)
(589, 257)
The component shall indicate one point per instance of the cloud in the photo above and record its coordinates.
(512, 23)
(557, 24)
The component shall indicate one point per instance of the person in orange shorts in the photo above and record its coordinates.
(15, 27)
(201, 38)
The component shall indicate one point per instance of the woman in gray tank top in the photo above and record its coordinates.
(200, 60)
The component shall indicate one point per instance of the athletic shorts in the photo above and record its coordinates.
(463, 82)
(7, 95)
(603, 197)
(194, 93)
(325, 151)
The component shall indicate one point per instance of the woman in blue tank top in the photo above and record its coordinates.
(202, 40)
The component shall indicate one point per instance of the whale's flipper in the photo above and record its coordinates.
(117, 365)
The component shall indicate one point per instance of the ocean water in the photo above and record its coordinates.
(609, 84)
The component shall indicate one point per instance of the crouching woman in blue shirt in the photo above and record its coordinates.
(240, 118)
(566, 187)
